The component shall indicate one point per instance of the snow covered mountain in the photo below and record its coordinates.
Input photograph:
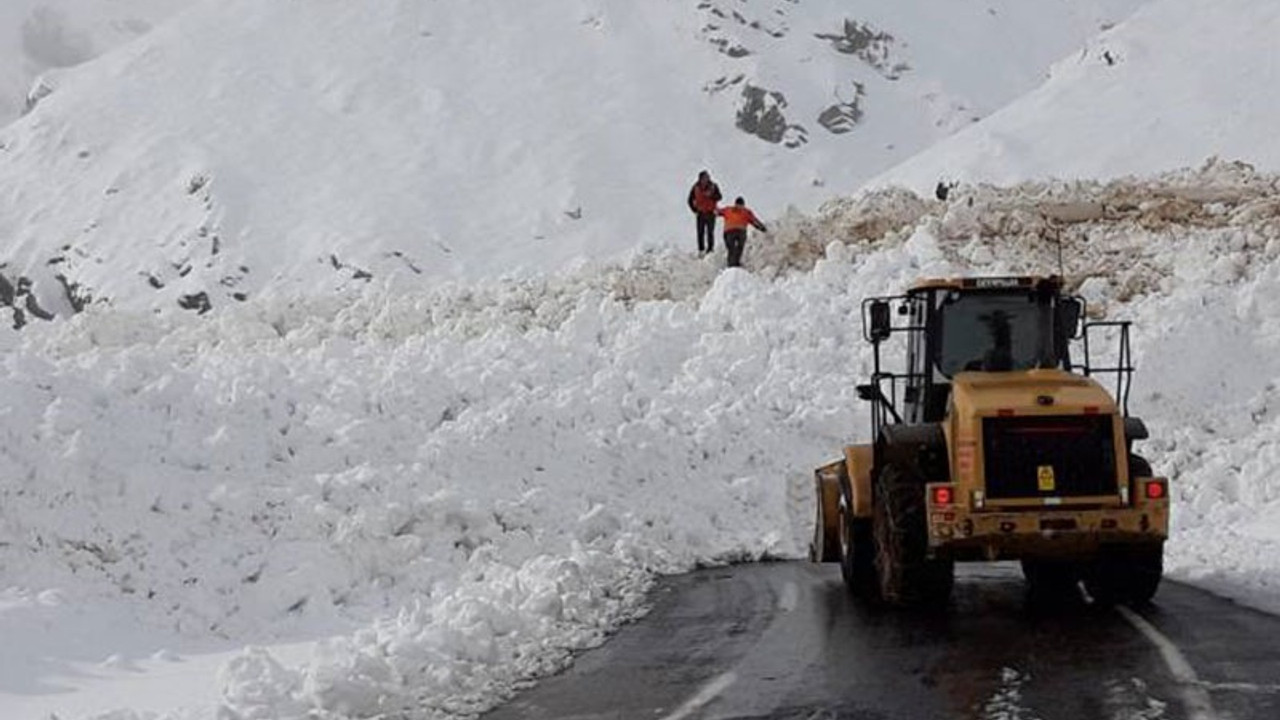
(1180, 82)
(41, 38)
(251, 148)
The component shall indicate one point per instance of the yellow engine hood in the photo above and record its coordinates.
(1032, 392)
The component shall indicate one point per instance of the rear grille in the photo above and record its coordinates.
(1019, 451)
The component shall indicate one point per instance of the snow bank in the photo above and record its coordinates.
(477, 492)
(453, 491)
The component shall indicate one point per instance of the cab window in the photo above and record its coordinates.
(994, 332)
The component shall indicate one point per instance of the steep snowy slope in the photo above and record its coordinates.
(1181, 81)
(38, 36)
(250, 147)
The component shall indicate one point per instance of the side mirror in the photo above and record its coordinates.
(867, 392)
(1070, 312)
(881, 321)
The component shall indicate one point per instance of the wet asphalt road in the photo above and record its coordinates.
(784, 641)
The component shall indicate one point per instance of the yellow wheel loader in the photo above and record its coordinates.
(993, 443)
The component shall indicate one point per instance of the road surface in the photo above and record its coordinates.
(783, 641)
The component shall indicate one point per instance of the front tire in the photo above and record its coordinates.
(906, 575)
(857, 553)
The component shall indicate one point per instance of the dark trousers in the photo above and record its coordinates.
(734, 242)
(706, 232)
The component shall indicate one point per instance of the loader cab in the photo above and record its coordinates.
(987, 325)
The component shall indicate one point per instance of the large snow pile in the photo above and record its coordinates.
(1179, 82)
(248, 148)
(453, 490)
(40, 38)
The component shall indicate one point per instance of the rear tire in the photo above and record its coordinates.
(1138, 467)
(906, 575)
(1126, 574)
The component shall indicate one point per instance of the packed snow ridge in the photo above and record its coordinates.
(447, 493)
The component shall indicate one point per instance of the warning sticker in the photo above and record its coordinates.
(1045, 478)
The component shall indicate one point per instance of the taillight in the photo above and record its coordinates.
(943, 495)
(1156, 489)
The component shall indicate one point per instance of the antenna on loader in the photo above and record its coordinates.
(1057, 236)
(1056, 229)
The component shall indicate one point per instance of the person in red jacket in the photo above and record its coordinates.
(736, 219)
(704, 197)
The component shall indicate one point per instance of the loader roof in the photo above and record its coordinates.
(984, 282)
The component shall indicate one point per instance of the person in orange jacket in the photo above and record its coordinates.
(704, 197)
(736, 219)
